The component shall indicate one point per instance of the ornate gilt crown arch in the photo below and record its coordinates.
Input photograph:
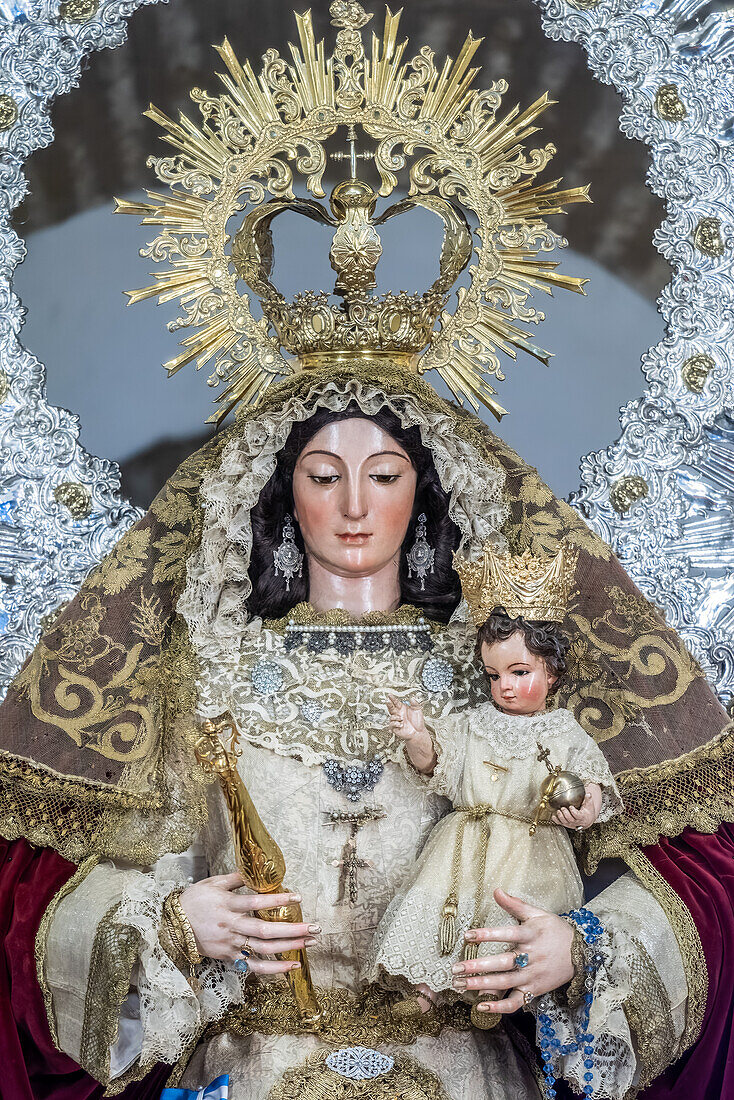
(662, 494)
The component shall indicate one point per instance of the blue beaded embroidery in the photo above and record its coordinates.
(591, 929)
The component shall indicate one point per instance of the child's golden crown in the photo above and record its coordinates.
(534, 587)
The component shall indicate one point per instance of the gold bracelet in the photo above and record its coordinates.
(576, 988)
(176, 928)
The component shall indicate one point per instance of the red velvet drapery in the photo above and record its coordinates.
(31, 1068)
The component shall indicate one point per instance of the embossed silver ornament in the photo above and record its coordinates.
(288, 559)
(437, 675)
(267, 677)
(359, 1063)
(421, 555)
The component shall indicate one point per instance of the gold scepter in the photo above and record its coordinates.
(259, 859)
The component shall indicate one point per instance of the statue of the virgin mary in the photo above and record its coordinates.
(292, 575)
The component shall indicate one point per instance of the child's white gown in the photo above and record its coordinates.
(488, 759)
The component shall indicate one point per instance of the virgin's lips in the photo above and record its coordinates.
(355, 537)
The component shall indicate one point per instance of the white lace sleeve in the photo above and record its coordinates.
(638, 1011)
(613, 1058)
(171, 1014)
(449, 740)
(588, 761)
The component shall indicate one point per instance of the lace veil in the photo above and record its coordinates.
(95, 748)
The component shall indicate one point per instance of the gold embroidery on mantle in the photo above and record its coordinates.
(77, 817)
(689, 943)
(314, 1080)
(629, 636)
(694, 791)
(125, 564)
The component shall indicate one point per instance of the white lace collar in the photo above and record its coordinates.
(515, 735)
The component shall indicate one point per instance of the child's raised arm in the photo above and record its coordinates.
(408, 723)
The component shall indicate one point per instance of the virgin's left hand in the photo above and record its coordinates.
(544, 937)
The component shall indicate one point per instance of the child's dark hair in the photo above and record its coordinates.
(544, 639)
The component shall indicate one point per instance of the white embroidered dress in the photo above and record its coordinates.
(488, 759)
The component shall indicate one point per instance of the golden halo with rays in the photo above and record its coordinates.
(265, 127)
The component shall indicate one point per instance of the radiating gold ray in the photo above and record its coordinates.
(310, 65)
(206, 152)
(384, 74)
(434, 112)
(462, 379)
(209, 341)
(450, 92)
(257, 105)
(541, 273)
(186, 215)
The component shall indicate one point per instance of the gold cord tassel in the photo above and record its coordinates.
(447, 930)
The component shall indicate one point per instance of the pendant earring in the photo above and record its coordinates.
(288, 559)
(420, 557)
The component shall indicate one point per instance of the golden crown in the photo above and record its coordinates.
(462, 156)
(536, 588)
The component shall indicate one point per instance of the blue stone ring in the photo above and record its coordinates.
(521, 960)
(243, 964)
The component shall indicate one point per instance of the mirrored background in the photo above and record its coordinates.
(103, 359)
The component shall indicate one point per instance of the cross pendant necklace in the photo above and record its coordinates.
(350, 863)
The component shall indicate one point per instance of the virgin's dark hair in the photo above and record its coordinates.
(544, 639)
(270, 598)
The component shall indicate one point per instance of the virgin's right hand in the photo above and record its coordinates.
(223, 922)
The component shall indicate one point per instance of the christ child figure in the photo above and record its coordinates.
(520, 777)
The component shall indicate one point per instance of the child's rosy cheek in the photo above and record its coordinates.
(530, 688)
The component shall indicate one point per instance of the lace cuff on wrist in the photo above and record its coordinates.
(614, 1060)
(172, 1014)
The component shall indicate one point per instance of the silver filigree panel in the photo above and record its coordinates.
(671, 61)
(662, 495)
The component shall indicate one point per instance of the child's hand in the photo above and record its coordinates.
(407, 721)
(586, 814)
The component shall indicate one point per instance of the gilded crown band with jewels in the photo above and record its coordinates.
(237, 165)
(537, 588)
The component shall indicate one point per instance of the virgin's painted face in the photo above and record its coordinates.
(353, 490)
(519, 680)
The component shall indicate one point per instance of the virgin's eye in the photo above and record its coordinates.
(521, 672)
(493, 676)
(323, 479)
(385, 479)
